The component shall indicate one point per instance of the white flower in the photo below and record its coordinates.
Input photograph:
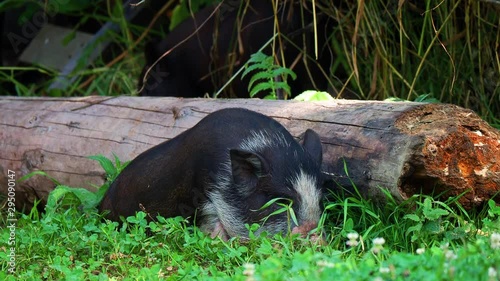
(352, 243)
(323, 263)
(420, 251)
(378, 245)
(492, 273)
(353, 239)
(495, 240)
(379, 241)
(384, 270)
(249, 269)
(352, 236)
(450, 255)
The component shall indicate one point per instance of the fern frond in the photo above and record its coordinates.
(261, 87)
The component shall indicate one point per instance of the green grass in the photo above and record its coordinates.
(443, 48)
(421, 238)
(71, 244)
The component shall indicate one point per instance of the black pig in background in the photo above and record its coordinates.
(200, 58)
(221, 172)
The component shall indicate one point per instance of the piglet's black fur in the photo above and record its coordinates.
(221, 172)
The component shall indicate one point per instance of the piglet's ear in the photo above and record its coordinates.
(312, 144)
(247, 167)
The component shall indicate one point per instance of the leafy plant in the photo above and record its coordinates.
(492, 221)
(64, 195)
(270, 77)
(112, 169)
(433, 218)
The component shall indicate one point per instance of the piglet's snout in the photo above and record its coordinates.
(304, 230)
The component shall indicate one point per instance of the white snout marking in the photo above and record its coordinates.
(310, 196)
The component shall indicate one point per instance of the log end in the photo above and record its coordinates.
(460, 154)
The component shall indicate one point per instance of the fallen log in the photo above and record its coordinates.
(406, 148)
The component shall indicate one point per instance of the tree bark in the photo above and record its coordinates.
(405, 148)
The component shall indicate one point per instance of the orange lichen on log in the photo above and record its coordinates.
(459, 150)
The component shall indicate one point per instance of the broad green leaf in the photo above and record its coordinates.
(412, 217)
(348, 225)
(434, 214)
(105, 163)
(415, 228)
(433, 226)
(77, 197)
(314, 96)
